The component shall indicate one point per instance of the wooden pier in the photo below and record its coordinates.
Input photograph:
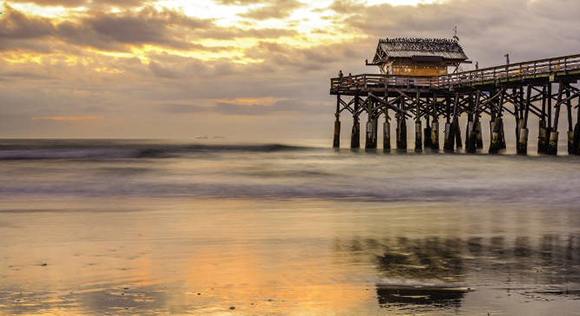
(541, 89)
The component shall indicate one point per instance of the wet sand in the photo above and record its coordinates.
(154, 256)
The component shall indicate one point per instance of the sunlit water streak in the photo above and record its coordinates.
(108, 227)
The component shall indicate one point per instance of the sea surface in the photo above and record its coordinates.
(108, 227)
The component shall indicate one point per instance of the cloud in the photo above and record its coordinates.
(139, 65)
(85, 3)
(487, 29)
(111, 31)
(277, 9)
(268, 9)
(20, 31)
(68, 118)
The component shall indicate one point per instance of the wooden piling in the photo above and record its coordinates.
(427, 131)
(386, 136)
(577, 130)
(571, 148)
(418, 125)
(522, 141)
(472, 126)
(495, 145)
(553, 143)
(355, 136)
(542, 124)
(452, 131)
(479, 135)
(435, 135)
(371, 133)
(402, 126)
(435, 127)
(336, 142)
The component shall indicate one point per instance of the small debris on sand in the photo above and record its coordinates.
(232, 307)
(44, 264)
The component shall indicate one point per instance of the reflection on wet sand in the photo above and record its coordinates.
(422, 266)
(313, 258)
(420, 295)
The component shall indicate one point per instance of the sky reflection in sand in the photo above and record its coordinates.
(260, 257)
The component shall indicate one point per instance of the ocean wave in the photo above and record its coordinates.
(119, 151)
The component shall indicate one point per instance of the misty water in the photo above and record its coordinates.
(150, 227)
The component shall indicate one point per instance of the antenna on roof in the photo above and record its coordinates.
(455, 33)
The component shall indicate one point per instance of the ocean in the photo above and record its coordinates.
(95, 227)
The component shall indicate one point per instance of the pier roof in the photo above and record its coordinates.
(446, 49)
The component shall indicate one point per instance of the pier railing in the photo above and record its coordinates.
(507, 73)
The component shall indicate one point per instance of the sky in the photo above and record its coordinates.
(240, 69)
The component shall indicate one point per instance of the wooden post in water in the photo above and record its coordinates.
(571, 148)
(401, 126)
(355, 136)
(418, 126)
(454, 134)
(470, 127)
(371, 130)
(387, 124)
(472, 141)
(386, 132)
(435, 127)
(479, 133)
(427, 130)
(336, 142)
(497, 142)
(522, 145)
(549, 113)
(577, 129)
(542, 124)
(553, 144)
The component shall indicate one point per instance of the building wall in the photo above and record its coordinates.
(409, 68)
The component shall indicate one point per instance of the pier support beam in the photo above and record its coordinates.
(523, 141)
(571, 148)
(479, 135)
(427, 133)
(387, 135)
(577, 130)
(542, 137)
(336, 143)
(418, 136)
(542, 124)
(401, 132)
(449, 144)
(522, 146)
(495, 147)
(472, 142)
(401, 126)
(371, 139)
(418, 125)
(435, 135)
(553, 143)
(457, 131)
(355, 137)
